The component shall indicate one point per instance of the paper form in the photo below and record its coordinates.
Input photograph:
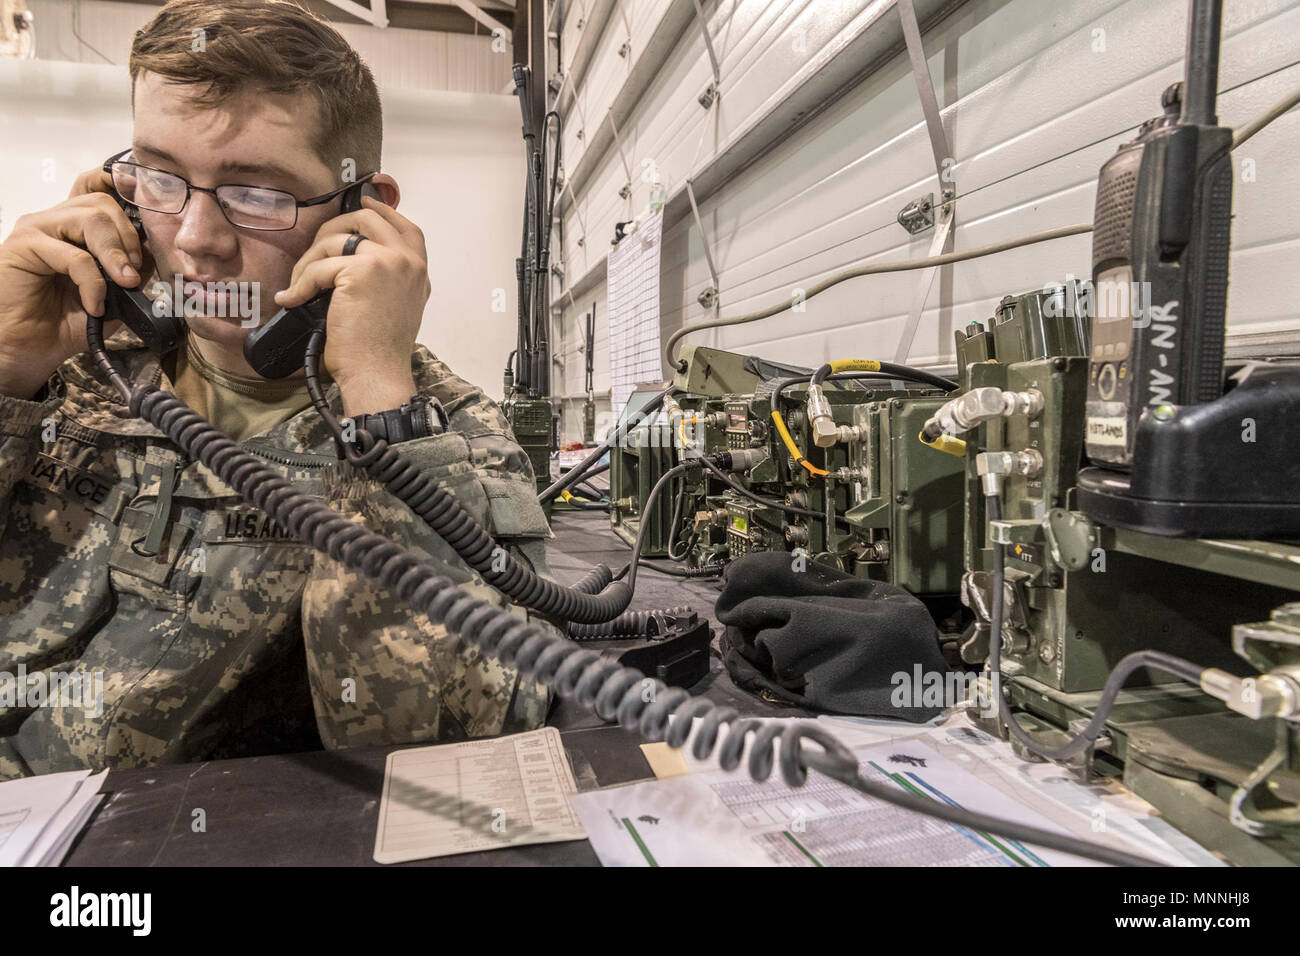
(713, 817)
(1085, 810)
(632, 286)
(476, 795)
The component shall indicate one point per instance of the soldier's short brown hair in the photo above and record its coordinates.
(271, 46)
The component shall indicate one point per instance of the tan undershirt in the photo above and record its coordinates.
(239, 407)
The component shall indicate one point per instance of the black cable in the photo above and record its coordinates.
(1122, 671)
(579, 505)
(708, 571)
(613, 692)
(629, 625)
(905, 372)
(588, 491)
(579, 471)
(679, 502)
(781, 384)
(650, 501)
(451, 522)
(768, 502)
(590, 476)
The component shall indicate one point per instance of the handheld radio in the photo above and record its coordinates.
(1160, 257)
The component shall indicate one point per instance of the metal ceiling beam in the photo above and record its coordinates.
(374, 15)
(475, 11)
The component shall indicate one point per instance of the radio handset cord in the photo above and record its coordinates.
(596, 599)
(614, 692)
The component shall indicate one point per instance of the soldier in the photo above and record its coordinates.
(213, 633)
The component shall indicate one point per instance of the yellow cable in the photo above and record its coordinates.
(855, 365)
(794, 449)
(945, 443)
(682, 428)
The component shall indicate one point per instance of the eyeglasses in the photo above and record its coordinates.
(249, 207)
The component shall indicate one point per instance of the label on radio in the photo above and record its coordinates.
(1107, 430)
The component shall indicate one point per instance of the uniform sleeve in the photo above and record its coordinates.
(382, 674)
(21, 422)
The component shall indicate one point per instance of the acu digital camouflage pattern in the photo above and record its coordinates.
(216, 633)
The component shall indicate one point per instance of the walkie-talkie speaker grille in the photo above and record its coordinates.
(1112, 222)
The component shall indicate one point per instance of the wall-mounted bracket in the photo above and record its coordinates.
(918, 215)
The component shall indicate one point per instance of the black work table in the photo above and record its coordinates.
(322, 808)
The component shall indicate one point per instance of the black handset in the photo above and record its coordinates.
(159, 333)
(278, 349)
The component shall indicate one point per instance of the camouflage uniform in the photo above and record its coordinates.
(215, 633)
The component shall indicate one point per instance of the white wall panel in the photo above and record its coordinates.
(1032, 110)
(632, 22)
(399, 58)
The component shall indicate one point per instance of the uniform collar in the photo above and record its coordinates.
(93, 402)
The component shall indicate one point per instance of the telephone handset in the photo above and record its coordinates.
(159, 333)
(275, 350)
(278, 349)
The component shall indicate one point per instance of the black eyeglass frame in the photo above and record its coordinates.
(190, 188)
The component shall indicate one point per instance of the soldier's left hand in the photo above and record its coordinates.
(379, 296)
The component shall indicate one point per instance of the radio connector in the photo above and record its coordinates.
(993, 466)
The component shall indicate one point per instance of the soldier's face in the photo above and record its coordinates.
(255, 139)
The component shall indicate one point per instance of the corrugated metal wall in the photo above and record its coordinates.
(1035, 95)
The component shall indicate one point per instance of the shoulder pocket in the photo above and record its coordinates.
(514, 507)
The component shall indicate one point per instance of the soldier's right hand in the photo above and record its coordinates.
(49, 282)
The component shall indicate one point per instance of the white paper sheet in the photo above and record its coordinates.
(41, 816)
(712, 817)
(477, 795)
(633, 302)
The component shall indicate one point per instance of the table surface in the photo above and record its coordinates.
(322, 808)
